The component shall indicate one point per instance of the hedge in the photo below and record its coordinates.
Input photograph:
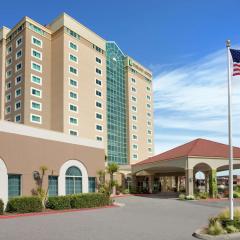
(89, 200)
(84, 200)
(1, 207)
(59, 202)
(24, 205)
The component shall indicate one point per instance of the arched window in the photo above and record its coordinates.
(73, 180)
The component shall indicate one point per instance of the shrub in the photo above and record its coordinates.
(215, 228)
(203, 195)
(1, 207)
(89, 200)
(24, 205)
(225, 215)
(190, 197)
(231, 229)
(236, 195)
(182, 196)
(59, 202)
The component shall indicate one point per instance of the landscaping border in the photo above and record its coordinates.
(200, 235)
(54, 212)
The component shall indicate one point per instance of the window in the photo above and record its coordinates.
(36, 79)
(148, 89)
(98, 82)
(99, 104)
(149, 140)
(8, 110)
(73, 83)
(36, 92)
(149, 123)
(37, 67)
(134, 118)
(73, 70)
(9, 49)
(19, 41)
(99, 138)
(134, 127)
(98, 93)
(73, 108)
(73, 46)
(18, 92)
(8, 85)
(149, 132)
(134, 89)
(91, 184)
(134, 108)
(72, 33)
(18, 79)
(73, 181)
(148, 106)
(98, 71)
(73, 58)
(36, 118)
(9, 73)
(14, 185)
(36, 42)
(36, 105)
(17, 105)
(134, 99)
(133, 80)
(8, 97)
(99, 116)
(73, 120)
(9, 61)
(150, 149)
(73, 95)
(148, 97)
(99, 127)
(18, 118)
(18, 67)
(149, 114)
(135, 146)
(135, 156)
(52, 186)
(134, 137)
(36, 54)
(98, 60)
(36, 29)
(73, 132)
(19, 54)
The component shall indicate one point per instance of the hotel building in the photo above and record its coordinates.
(64, 77)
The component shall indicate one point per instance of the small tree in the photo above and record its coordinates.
(39, 177)
(111, 169)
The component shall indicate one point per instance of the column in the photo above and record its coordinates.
(213, 183)
(177, 183)
(206, 182)
(189, 181)
(151, 182)
(134, 184)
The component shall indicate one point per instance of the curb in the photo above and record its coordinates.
(54, 212)
(198, 234)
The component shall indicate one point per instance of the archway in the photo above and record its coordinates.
(63, 175)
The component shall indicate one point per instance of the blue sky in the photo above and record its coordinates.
(183, 42)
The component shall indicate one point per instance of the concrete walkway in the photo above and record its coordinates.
(142, 218)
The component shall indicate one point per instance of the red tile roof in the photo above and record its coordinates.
(196, 148)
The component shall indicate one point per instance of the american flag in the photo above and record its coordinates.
(236, 61)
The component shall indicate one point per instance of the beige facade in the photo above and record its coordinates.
(56, 79)
(140, 111)
(23, 150)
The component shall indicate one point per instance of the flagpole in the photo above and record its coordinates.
(230, 181)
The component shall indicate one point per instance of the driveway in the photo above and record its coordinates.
(142, 218)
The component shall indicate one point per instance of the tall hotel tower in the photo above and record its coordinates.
(66, 78)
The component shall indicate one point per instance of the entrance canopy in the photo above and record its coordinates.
(188, 159)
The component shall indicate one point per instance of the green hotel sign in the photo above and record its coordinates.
(130, 62)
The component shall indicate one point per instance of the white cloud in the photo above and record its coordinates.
(191, 102)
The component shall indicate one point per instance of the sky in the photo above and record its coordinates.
(182, 42)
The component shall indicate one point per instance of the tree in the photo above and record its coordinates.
(111, 169)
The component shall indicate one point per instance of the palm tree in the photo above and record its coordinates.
(111, 169)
